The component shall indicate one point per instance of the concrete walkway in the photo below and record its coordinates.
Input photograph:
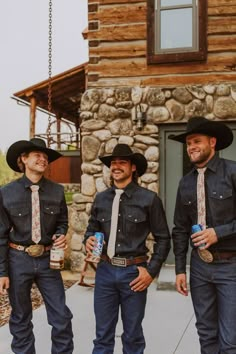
(169, 324)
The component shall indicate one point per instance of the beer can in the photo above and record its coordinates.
(97, 250)
(197, 228)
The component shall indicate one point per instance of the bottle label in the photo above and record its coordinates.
(57, 258)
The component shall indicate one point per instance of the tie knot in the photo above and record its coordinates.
(34, 187)
(119, 191)
(201, 170)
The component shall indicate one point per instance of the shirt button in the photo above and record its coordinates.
(221, 196)
(20, 214)
(135, 220)
(118, 230)
(118, 245)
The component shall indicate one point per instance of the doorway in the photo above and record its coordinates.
(174, 164)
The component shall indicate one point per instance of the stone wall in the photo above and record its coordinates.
(108, 117)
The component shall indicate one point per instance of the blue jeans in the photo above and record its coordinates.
(112, 291)
(23, 271)
(213, 292)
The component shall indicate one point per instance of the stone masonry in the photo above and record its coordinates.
(108, 117)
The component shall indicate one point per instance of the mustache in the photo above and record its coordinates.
(117, 169)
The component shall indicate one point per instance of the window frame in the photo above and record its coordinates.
(178, 56)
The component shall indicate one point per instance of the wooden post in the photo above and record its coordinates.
(58, 131)
(33, 104)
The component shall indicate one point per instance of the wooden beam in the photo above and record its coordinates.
(33, 104)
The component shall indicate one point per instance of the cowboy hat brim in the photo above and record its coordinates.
(220, 131)
(21, 146)
(136, 158)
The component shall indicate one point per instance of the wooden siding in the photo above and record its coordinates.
(117, 47)
(67, 169)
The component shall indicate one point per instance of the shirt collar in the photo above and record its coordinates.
(128, 190)
(212, 163)
(27, 182)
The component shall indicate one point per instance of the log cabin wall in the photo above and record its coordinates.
(120, 81)
(117, 36)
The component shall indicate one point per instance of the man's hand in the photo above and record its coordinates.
(142, 281)
(60, 242)
(181, 284)
(90, 243)
(207, 237)
(4, 285)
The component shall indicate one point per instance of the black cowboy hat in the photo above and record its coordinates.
(201, 125)
(34, 144)
(123, 150)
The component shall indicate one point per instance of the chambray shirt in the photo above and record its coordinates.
(220, 187)
(16, 214)
(140, 213)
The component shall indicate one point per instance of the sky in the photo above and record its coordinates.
(24, 55)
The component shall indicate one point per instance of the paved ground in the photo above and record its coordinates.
(169, 324)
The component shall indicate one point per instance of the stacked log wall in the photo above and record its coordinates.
(118, 40)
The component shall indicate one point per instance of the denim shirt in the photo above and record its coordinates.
(15, 214)
(220, 187)
(140, 213)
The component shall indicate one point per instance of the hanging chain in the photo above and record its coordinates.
(49, 71)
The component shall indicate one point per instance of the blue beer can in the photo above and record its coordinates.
(197, 228)
(97, 251)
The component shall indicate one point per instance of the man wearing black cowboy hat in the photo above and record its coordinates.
(208, 192)
(32, 211)
(123, 275)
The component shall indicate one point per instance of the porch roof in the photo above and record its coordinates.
(67, 90)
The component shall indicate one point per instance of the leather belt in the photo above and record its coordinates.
(124, 262)
(217, 255)
(223, 255)
(32, 250)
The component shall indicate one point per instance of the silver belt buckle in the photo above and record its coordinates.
(119, 262)
(35, 250)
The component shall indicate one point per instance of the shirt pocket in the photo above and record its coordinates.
(50, 217)
(189, 203)
(135, 221)
(105, 223)
(222, 204)
(51, 210)
(21, 220)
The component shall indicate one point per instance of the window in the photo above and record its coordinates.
(176, 31)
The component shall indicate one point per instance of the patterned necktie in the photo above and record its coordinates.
(201, 201)
(36, 231)
(114, 221)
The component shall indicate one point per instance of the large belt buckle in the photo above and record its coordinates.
(205, 255)
(119, 262)
(35, 250)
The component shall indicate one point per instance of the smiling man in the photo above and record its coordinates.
(124, 273)
(32, 211)
(207, 195)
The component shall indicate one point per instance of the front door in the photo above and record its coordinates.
(174, 163)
